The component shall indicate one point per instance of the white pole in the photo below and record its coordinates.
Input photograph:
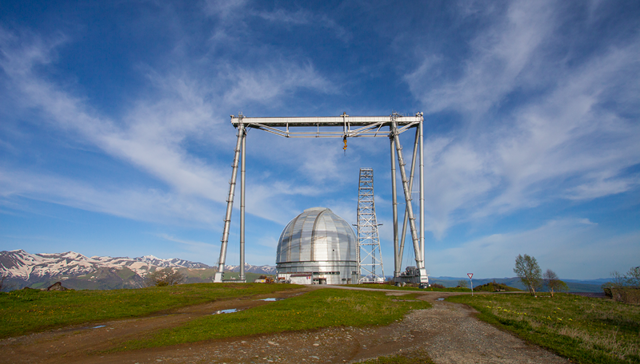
(397, 262)
(242, 207)
(421, 187)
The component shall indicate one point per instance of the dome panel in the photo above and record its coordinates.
(317, 247)
(317, 234)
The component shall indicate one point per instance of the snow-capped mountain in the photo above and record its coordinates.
(260, 269)
(82, 272)
(23, 265)
(175, 262)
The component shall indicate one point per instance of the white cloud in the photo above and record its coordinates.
(190, 243)
(564, 140)
(499, 56)
(573, 248)
(303, 17)
(282, 16)
(139, 204)
(155, 134)
(270, 83)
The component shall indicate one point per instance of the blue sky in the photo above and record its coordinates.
(115, 136)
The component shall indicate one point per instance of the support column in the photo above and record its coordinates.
(242, 174)
(406, 215)
(421, 186)
(407, 196)
(227, 219)
(397, 262)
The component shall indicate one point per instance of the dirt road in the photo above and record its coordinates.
(448, 332)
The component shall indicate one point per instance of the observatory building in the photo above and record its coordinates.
(317, 247)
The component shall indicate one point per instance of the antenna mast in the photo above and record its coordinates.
(368, 239)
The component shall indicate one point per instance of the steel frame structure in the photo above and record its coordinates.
(352, 127)
(368, 237)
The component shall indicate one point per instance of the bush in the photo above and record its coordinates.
(626, 294)
(437, 285)
(624, 287)
(495, 287)
(165, 277)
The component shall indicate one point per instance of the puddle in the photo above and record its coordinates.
(272, 299)
(230, 310)
(99, 326)
(440, 299)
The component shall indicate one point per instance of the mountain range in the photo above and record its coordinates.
(574, 285)
(22, 269)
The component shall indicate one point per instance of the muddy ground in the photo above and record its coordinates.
(448, 332)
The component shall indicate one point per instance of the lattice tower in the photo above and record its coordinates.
(368, 239)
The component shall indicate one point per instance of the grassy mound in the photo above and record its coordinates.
(583, 329)
(317, 309)
(495, 287)
(32, 310)
(438, 288)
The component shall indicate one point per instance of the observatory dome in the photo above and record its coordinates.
(317, 247)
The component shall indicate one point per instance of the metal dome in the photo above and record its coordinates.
(319, 243)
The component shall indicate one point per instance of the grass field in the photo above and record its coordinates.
(390, 286)
(26, 311)
(316, 309)
(585, 330)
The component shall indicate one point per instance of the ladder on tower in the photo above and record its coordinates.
(369, 253)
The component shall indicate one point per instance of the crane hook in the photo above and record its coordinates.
(344, 139)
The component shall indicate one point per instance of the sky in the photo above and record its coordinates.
(115, 135)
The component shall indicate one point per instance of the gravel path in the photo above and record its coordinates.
(455, 336)
(448, 332)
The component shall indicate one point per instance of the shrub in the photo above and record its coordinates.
(165, 277)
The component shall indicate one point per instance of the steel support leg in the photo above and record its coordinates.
(397, 262)
(404, 223)
(407, 196)
(421, 187)
(242, 179)
(227, 219)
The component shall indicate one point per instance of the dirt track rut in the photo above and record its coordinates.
(448, 332)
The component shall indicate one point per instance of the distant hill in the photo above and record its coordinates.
(575, 285)
(77, 271)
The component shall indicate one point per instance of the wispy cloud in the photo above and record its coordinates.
(155, 133)
(562, 141)
(303, 17)
(269, 84)
(193, 244)
(499, 57)
(571, 247)
(141, 204)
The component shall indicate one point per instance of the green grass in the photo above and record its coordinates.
(390, 286)
(26, 311)
(320, 308)
(583, 329)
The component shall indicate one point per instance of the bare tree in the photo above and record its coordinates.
(633, 277)
(463, 283)
(529, 272)
(165, 277)
(551, 280)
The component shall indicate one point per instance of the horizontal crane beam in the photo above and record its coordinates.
(365, 126)
(325, 120)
